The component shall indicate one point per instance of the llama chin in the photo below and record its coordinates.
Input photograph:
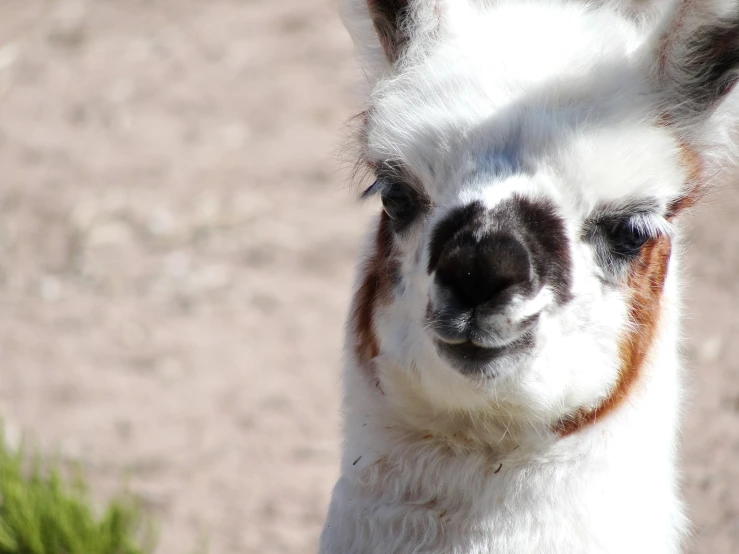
(512, 377)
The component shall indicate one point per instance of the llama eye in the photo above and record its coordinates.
(400, 202)
(626, 238)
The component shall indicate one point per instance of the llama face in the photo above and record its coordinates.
(529, 197)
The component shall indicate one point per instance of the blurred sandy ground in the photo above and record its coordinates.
(176, 251)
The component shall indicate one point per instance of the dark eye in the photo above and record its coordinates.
(627, 238)
(401, 203)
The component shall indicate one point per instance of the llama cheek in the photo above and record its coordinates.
(646, 284)
(381, 276)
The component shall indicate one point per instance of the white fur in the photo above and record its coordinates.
(544, 99)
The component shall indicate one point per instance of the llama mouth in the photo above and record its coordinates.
(469, 351)
(470, 358)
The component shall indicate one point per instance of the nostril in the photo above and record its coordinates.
(479, 271)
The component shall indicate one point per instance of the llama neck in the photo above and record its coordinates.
(610, 487)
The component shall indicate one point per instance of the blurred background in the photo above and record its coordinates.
(177, 240)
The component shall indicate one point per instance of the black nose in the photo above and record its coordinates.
(484, 269)
(482, 256)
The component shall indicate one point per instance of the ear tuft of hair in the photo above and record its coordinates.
(388, 18)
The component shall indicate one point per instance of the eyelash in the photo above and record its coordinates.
(627, 238)
(401, 202)
(619, 238)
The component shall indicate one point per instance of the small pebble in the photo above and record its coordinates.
(710, 350)
(69, 23)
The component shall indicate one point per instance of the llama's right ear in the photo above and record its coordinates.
(696, 58)
(379, 30)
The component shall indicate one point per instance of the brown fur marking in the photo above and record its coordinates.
(694, 187)
(646, 284)
(380, 275)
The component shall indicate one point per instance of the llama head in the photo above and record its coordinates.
(531, 158)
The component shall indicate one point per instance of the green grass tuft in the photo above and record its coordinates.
(41, 512)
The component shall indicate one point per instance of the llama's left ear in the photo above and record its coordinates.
(379, 31)
(696, 58)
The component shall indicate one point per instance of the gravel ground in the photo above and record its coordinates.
(176, 251)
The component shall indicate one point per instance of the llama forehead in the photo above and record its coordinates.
(482, 62)
(533, 41)
(623, 164)
(488, 102)
(580, 167)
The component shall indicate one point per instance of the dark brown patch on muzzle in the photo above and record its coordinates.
(521, 244)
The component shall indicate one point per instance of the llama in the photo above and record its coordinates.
(512, 381)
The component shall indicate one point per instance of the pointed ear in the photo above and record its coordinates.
(697, 57)
(379, 29)
(384, 30)
(389, 18)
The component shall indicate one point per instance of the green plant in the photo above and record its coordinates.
(42, 511)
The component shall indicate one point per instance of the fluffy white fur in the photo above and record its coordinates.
(544, 99)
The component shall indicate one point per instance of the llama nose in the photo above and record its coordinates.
(484, 270)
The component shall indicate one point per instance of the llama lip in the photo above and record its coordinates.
(489, 332)
(468, 351)
(470, 358)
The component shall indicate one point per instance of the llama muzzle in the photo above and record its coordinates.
(494, 271)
